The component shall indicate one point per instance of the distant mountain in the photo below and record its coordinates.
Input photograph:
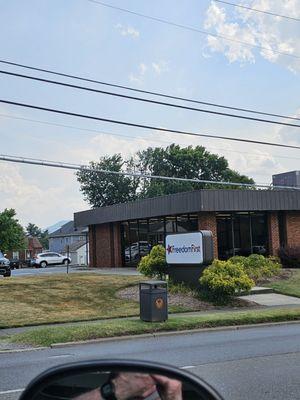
(56, 226)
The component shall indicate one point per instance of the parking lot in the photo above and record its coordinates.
(58, 269)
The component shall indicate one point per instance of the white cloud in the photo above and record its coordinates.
(160, 67)
(35, 203)
(128, 31)
(256, 29)
(157, 68)
(45, 195)
(139, 76)
(290, 135)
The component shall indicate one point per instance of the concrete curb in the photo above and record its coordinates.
(172, 333)
(23, 350)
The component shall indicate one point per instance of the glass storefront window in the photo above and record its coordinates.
(139, 236)
(193, 222)
(259, 228)
(156, 231)
(187, 223)
(225, 236)
(171, 224)
(242, 234)
(144, 244)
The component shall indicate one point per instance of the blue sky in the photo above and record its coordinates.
(82, 38)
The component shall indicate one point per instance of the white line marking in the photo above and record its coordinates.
(12, 391)
(188, 367)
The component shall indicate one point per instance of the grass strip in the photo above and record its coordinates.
(58, 298)
(290, 287)
(59, 334)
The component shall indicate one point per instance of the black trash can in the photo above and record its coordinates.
(153, 301)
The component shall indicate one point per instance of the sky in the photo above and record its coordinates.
(84, 38)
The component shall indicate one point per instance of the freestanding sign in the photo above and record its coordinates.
(184, 248)
(187, 254)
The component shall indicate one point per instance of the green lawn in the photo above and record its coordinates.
(62, 334)
(65, 298)
(290, 286)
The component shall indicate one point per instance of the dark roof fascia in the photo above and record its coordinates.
(75, 233)
(206, 200)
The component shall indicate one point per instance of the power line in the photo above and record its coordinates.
(149, 127)
(149, 101)
(97, 131)
(78, 167)
(190, 28)
(164, 95)
(257, 10)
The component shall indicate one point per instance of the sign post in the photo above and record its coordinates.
(187, 254)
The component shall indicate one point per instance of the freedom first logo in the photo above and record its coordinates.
(171, 249)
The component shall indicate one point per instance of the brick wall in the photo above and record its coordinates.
(117, 245)
(105, 245)
(207, 221)
(274, 241)
(293, 228)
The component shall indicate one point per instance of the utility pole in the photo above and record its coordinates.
(68, 255)
(87, 248)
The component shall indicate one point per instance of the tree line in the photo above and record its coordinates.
(13, 235)
(102, 189)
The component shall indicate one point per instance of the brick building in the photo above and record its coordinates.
(242, 222)
(32, 248)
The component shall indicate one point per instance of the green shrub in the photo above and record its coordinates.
(154, 264)
(222, 280)
(180, 288)
(257, 266)
(290, 256)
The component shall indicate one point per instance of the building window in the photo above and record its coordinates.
(139, 236)
(15, 254)
(225, 236)
(242, 234)
(157, 229)
(259, 229)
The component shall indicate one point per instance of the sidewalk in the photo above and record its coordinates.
(272, 299)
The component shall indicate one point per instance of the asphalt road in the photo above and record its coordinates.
(254, 363)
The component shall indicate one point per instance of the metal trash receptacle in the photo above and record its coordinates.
(153, 301)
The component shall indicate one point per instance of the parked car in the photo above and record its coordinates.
(15, 263)
(137, 250)
(4, 265)
(42, 260)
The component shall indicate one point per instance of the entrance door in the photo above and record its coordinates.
(242, 234)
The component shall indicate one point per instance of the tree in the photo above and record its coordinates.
(33, 230)
(189, 162)
(44, 239)
(11, 232)
(102, 189)
(43, 236)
